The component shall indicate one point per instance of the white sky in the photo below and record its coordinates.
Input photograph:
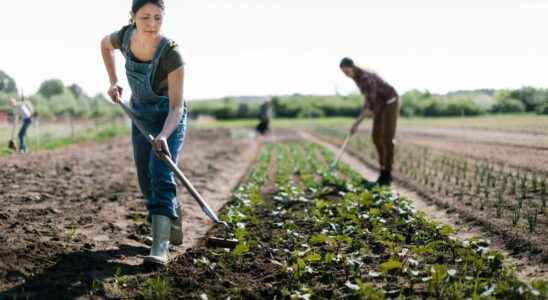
(260, 47)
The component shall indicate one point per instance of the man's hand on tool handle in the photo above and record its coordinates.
(115, 93)
(367, 113)
(354, 128)
(160, 145)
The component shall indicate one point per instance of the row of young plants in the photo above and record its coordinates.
(512, 194)
(308, 233)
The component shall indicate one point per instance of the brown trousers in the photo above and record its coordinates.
(384, 134)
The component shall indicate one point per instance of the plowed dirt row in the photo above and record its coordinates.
(72, 218)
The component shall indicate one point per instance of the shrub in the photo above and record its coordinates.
(530, 97)
(542, 109)
(51, 88)
(508, 105)
(7, 84)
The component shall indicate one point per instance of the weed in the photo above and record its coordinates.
(155, 288)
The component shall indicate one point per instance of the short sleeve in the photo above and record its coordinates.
(170, 60)
(117, 37)
(173, 59)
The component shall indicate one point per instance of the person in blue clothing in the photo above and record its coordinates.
(155, 72)
(24, 110)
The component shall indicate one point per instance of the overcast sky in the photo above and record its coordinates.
(261, 47)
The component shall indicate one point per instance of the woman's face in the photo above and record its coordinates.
(348, 71)
(149, 19)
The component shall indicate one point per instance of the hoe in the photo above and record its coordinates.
(12, 144)
(211, 241)
(341, 152)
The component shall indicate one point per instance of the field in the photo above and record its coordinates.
(72, 223)
(500, 183)
(49, 135)
(74, 217)
(521, 123)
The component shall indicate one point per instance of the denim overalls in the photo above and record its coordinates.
(156, 180)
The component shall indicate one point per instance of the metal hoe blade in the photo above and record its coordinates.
(11, 143)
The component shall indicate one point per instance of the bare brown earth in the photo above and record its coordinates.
(73, 220)
(518, 139)
(528, 265)
(524, 150)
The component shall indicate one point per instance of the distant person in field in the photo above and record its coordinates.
(381, 101)
(155, 71)
(265, 114)
(23, 110)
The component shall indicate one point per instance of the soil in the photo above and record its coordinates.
(74, 218)
(529, 264)
(281, 252)
(72, 223)
(478, 147)
(509, 148)
(514, 152)
(517, 139)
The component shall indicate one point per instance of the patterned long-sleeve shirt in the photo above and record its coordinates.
(375, 89)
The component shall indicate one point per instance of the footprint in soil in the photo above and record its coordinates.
(142, 229)
(76, 274)
(112, 228)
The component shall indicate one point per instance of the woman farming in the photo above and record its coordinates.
(382, 102)
(154, 69)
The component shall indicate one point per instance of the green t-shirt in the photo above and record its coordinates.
(170, 60)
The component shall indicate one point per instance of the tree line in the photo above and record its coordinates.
(55, 99)
(413, 103)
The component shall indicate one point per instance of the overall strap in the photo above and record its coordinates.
(126, 42)
(164, 43)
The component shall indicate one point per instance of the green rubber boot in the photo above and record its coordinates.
(159, 252)
(176, 236)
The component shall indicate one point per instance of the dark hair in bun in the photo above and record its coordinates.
(138, 4)
(347, 63)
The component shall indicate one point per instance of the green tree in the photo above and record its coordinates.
(243, 110)
(7, 84)
(508, 105)
(530, 97)
(51, 88)
(41, 106)
(275, 104)
(542, 109)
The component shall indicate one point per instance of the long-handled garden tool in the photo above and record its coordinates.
(341, 152)
(211, 241)
(11, 143)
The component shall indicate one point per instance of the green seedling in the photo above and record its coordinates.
(532, 220)
(119, 277)
(155, 288)
(96, 286)
(499, 204)
(516, 216)
(544, 199)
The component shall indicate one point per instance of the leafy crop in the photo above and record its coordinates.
(313, 234)
(509, 195)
